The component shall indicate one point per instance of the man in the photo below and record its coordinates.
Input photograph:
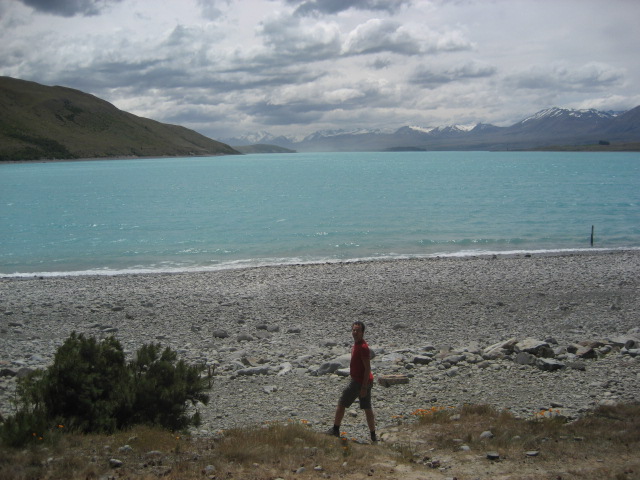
(360, 384)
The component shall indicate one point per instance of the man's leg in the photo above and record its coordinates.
(349, 394)
(371, 422)
(337, 421)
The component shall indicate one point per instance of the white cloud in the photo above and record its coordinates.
(589, 77)
(294, 66)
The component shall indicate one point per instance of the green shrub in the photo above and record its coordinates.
(163, 386)
(88, 385)
(90, 388)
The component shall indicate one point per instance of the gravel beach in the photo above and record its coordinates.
(461, 330)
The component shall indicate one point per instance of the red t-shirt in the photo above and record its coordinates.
(359, 351)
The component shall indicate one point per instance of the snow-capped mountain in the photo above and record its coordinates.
(552, 126)
(556, 121)
(563, 113)
(341, 132)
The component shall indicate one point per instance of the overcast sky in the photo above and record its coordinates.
(229, 67)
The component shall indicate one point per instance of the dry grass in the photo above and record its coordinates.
(268, 451)
(603, 444)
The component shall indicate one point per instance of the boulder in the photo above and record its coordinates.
(422, 360)
(262, 370)
(388, 380)
(285, 368)
(500, 349)
(454, 359)
(549, 364)
(524, 358)
(329, 367)
(533, 346)
(392, 358)
(623, 341)
(586, 352)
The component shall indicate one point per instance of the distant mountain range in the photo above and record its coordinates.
(553, 126)
(262, 148)
(40, 122)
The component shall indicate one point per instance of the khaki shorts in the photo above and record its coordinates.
(351, 392)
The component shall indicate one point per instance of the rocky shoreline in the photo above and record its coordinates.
(527, 332)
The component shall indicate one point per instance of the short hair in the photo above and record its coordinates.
(358, 322)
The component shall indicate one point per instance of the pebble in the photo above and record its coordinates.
(277, 339)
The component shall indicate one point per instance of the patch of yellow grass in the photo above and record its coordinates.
(602, 444)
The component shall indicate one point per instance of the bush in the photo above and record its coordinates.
(163, 386)
(90, 388)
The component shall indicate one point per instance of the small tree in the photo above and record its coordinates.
(90, 388)
(163, 386)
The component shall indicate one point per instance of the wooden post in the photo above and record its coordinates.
(592, 235)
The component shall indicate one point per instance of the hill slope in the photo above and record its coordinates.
(41, 122)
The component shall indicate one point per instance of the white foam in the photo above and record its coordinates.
(268, 262)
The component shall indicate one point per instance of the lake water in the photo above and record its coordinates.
(120, 216)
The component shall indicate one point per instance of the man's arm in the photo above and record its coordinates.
(365, 380)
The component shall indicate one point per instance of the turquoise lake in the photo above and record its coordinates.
(180, 214)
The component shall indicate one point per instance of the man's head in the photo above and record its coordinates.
(357, 330)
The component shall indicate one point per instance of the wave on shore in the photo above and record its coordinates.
(271, 262)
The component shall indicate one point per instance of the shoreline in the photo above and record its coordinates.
(283, 322)
(131, 157)
(266, 263)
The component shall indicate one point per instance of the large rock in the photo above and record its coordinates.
(500, 349)
(539, 348)
(262, 370)
(220, 334)
(524, 358)
(623, 340)
(393, 357)
(388, 380)
(586, 352)
(329, 367)
(454, 359)
(422, 360)
(549, 364)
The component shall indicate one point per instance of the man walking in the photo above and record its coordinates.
(360, 384)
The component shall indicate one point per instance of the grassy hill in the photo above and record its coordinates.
(41, 122)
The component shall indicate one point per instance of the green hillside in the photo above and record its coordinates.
(40, 122)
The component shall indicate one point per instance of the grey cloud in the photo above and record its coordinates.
(380, 63)
(315, 108)
(209, 8)
(434, 77)
(286, 114)
(70, 8)
(588, 77)
(377, 35)
(289, 40)
(328, 7)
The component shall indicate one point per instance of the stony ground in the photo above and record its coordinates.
(269, 333)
